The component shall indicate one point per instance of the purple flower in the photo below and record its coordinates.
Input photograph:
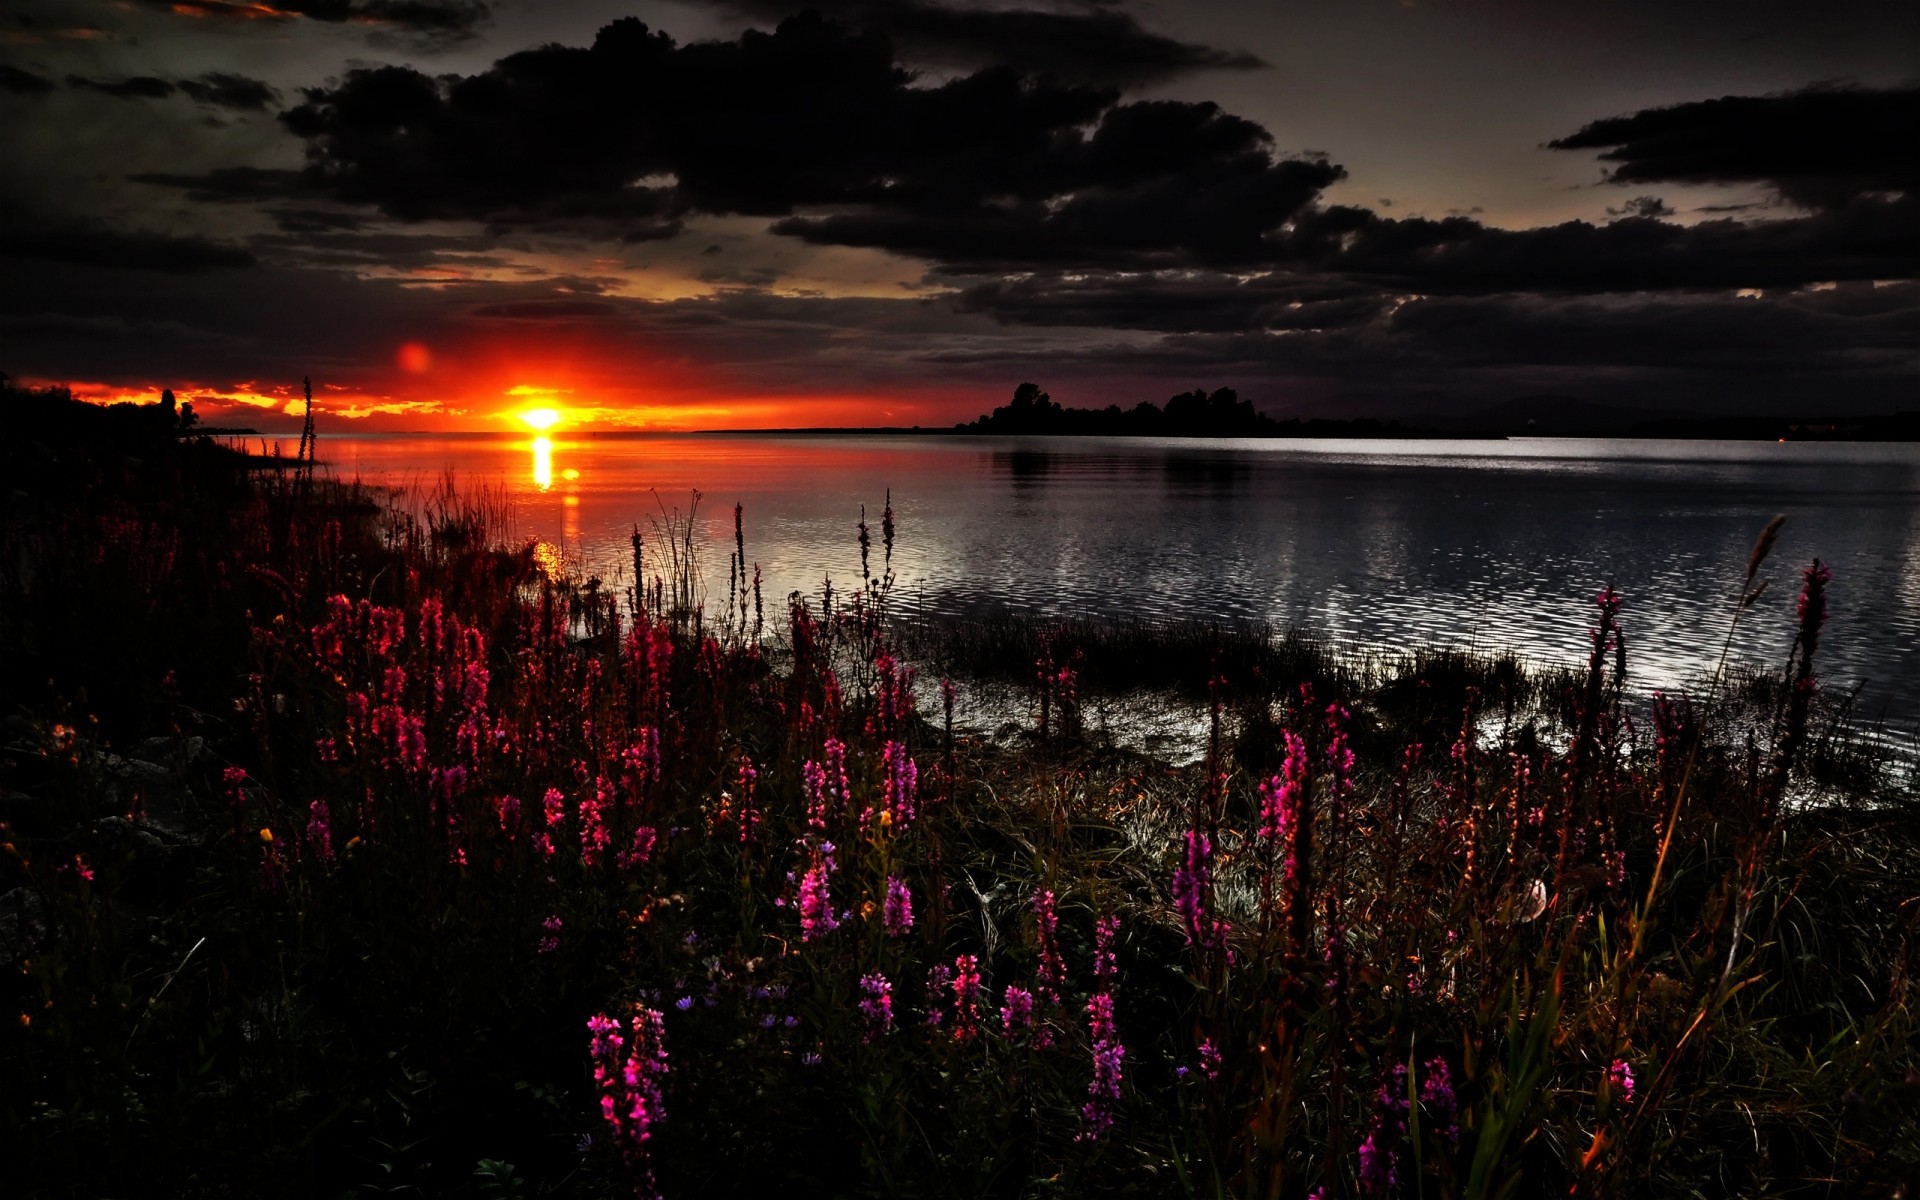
(876, 1005)
(897, 914)
(1436, 1095)
(550, 941)
(1379, 1151)
(1017, 1012)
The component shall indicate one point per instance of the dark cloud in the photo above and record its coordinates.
(438, 18)
(546, 310)
(23, 83)
(223, 90)
(1819, 147)
(1651, 207)
(1090, 42)
(232, 184)
(87, 245)
(993, 166)
(218, 88)
(138, 87)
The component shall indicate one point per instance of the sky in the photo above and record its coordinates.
(737, 214)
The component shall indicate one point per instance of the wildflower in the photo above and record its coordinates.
(1017, 1012)
(1620, 1079)
(938, 980)
(640, 850)
(1209, 1060)
(631, 1098)
(1051, 971)
(813, 778)
(684, 1003)
(966, 996)
(1193, 894)
(876, 1005)
(82, 869)
(507, 809)
(1436, 1096)
(749, 815)
(550, 940)
(897, 914)
(816, 903)
(594, 837)
(899, 782)
(1379, 1151)
(1104, 964)
(1103, 1093)
(1280, 796)
(834, 763)
(320, 830)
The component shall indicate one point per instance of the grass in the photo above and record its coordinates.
(330, 825)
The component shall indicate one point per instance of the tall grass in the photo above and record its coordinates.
(348, 850)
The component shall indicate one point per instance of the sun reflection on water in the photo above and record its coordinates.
(543, 463)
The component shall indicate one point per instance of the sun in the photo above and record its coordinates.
(541, 418)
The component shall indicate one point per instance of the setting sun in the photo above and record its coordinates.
(541, 418)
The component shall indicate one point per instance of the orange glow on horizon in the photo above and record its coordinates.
(577, 400)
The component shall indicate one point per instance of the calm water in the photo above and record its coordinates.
(1379, 544)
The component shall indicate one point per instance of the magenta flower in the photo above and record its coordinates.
(1051, 971)
(594, 836)
(1620, 1078)
(1017, 1012)
(1209, 1059)
(1103, 1093)
(640, 850)
(631, 1093)
(816, 903)
(899, 784)
(966, 996)
(1193, 894)
(550, 940)
(897, 913)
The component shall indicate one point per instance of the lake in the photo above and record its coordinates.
(1378, 544)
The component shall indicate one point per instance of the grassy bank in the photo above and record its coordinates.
(351, 852)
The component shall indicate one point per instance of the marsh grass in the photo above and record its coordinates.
(329, 823)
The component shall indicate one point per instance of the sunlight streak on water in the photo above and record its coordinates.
(543, 463)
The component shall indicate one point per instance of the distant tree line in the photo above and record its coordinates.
(52, 413)
(1198, 413)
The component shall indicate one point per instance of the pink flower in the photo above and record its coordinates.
(816, 903)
